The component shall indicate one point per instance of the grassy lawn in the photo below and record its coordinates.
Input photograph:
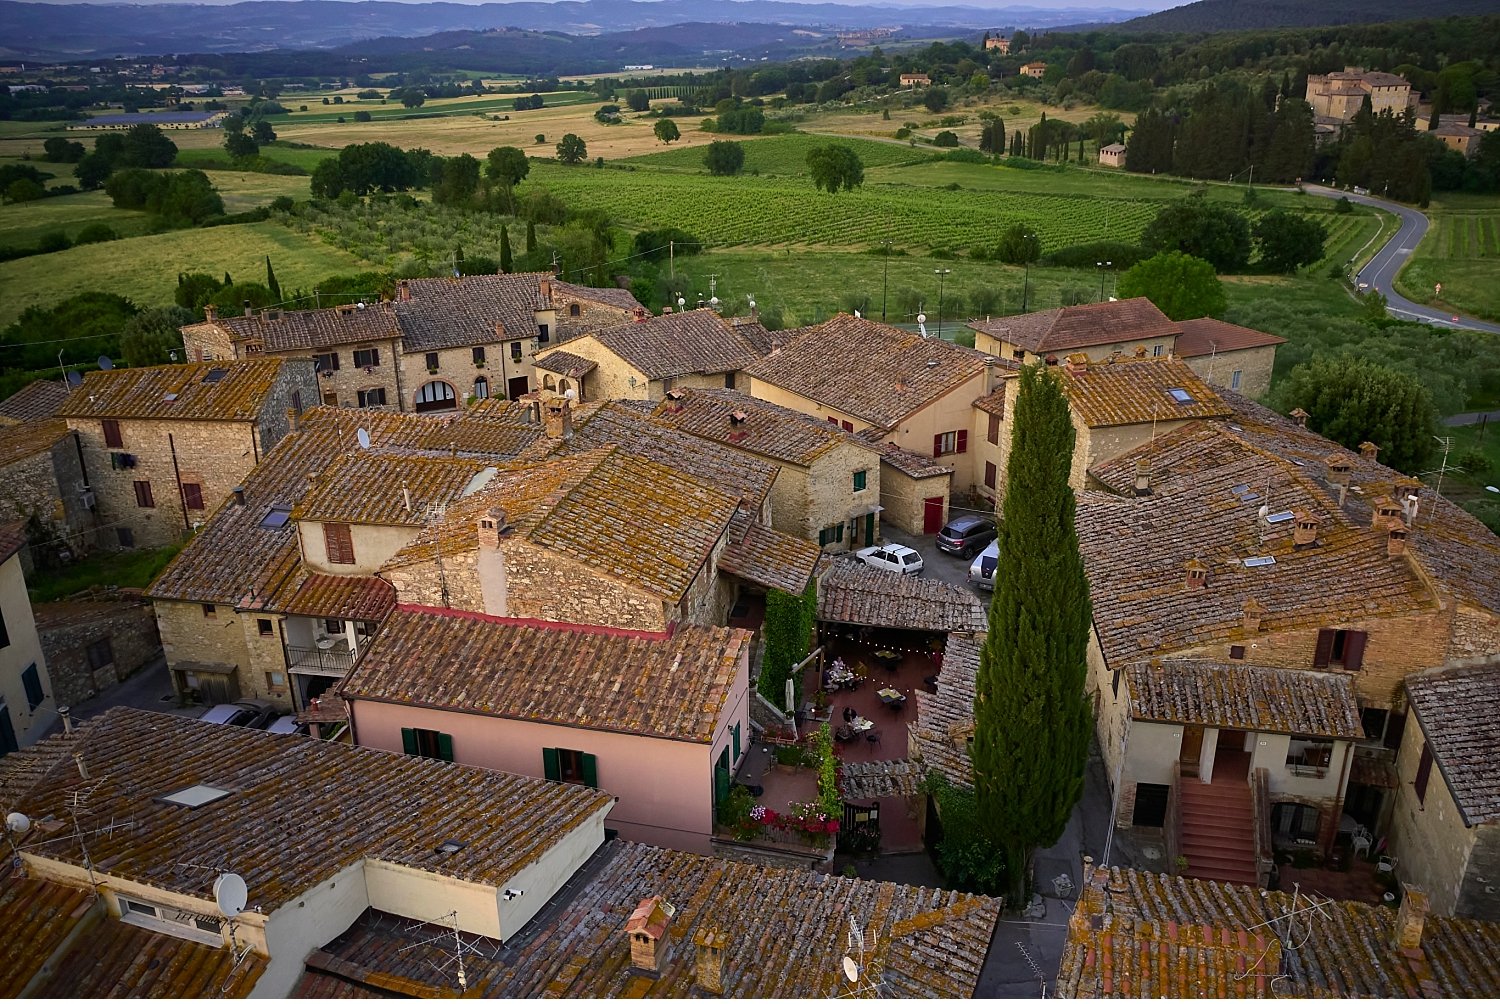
(1461, 251)
(23, 223)
(145, 268)
(307, 159)
(127, 569)
(778, 155)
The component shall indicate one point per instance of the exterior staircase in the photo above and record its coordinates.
(1218, 827)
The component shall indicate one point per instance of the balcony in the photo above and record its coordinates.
(330, 660)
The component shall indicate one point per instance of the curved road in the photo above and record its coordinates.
(1381, 271)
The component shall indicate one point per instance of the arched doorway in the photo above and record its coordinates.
(481, 388)
(436, 396)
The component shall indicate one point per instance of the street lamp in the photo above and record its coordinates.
(941, 273)
(1102, 266)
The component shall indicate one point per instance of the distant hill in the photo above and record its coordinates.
(1243, 15)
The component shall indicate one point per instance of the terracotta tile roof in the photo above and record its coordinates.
(862, 782)
(625, 516)
(345, 804)
(236, 559)
(672, 686)
(611, 296)
(447, 312)
(908, 462)
(566, 364)
(855, 593)
(1139, 934)
(310, 330)
(116, 959)
(370, 487)
(37, 400)
(1204, 336)
(1129, 391)
(746, 423)
(189, 391)
(1459, 711)
(20, 770)
(327, 707)
(482, 436)
(1239, 696)
(672, 345)
(12, 538)
(1083, 326)
(37, 916)
(897, 372)
(778, 925)
(992, 403)
(945, 720)
(1208, 483)
(72, 613)
(17, 442)
(768, 557)
(348, 597)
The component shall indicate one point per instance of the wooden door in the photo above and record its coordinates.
(1192, 749)
(932, 514)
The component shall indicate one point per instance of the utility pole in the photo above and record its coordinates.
(941, 273)
(885, 280)
(671, 261)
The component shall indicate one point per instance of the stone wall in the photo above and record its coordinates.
(205, 341)
(1476, 634)
(295, 389)
(48, 485)
(456, 368)
(1480, 896)
(903, 495)
(1432, 845)
(708, 598)
(342, 386)
(188, 635)
(68, 630)
(612, 377)
(831, 497)
(1254, 366)
(551, 587)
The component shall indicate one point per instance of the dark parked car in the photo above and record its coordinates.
(966, 536)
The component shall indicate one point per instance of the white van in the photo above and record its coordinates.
(982, 571)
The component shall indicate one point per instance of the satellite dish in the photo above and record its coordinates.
(230, 894)
(106, 363)
(921, 318)
(479, 480)
(18, 823)
(363, 435)
(851, 970)
(857, 315)
(74, 379)
(570, 394)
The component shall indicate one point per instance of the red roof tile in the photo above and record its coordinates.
(1204, 336)
(1082, 326)
(188, 391)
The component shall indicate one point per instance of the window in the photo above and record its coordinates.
(945, 443)
(515, 352)
(847, 426)
(1295, 822)
(432, 362)
(831, 534)
(478, 353)
(192, 495)
(143, 497)
(264, 627)
(1234, 380)
(296, 402)
(338, 543)
(481, 388)
(169, 920)
(1236, 651)
(729, 380)
(112, 434)
(1308, 757)
(541, 334)
(276, 681)
(832, 420)
(101, 653)
(333, 625)
(1114, 682)
(1424, 771)
(276, 518)
(125, 535)
(367, 357)
(1019, 354)
(372, 398)
(4, 632)
(326, 362)
(1156, 350)
(1339, 648)
(436, 396)
(573, 310)
(210, 612)
(427, 743)
(993, 436)
(860, 480)
(331, 398)
(31, 679)
(571, 766)
(989, 475)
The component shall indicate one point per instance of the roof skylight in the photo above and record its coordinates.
(195, 796)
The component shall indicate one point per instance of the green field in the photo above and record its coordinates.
(485, 104)
(145, 268)
(303, 157)
(779, 155)
(1461, 251)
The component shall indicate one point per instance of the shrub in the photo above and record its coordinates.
(945, 138)
(95, 233)
(54, 240)
(359, 116)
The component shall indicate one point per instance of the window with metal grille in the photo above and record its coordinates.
(338, 542)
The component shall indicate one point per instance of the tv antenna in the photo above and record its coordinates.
(460, 946)
(853, 963)
(1444, 468)
(436, 512)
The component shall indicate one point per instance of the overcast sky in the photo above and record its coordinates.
(997, 5)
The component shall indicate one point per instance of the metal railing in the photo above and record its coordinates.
(1172, 825)
(333, 660)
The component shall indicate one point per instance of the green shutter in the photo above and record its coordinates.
(590, 769)
(721, 785)
(409, 741)
(735, 735)
(822, 537)
(840, 534)
(445, 747)
(550, 769)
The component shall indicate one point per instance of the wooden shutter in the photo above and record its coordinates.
(1354, 649)
(1323, 654)
(112, 434)
(32, 681)
(551, 768)
(994, 436)
(1424, 770)
(192, 495)
(445, 747)
(963, 441)
(937, 445)
(1395, 726)
(338, 543)
(143, 497)
(409, 742)
(589, 766)
(989, 474)
(734, 734)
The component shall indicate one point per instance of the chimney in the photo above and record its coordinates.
(83, 770)
(666, 310)
(1368, 450)
(1300, 417)
(641, 315)
(210, 313)
(500, 329)
(490, 528)
(403, 290)
(1305, 530)
(557, 419)
(1395, 537)
(1338, 469)
(708, 961)
(1077, 364)
(249, 310)
(648, 930)
(1254, 610)
(66, 714)
(238, 491)
(1143, 477)
(1140, 352)
(1410, 917)
(544, 291)
(1197, 574)
(1384, 509)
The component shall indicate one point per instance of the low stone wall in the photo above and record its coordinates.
(91, 645)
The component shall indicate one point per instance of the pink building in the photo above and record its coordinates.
(657, 719)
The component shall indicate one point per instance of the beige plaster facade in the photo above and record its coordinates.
(21, 658)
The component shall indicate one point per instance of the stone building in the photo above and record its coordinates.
(1228, 355)
(38, 400)
(162, 446)
(1340, 95)
(93, 644)
(437, 344)
(1459, 136)
(1035, 69)
(42, 477)
(998, 43)
(27, 706)
(1112, 155)
(889, 386)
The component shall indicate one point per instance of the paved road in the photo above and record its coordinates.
(1380, 273)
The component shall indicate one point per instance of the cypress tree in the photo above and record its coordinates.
(530, 237)
(1032, 719)
(506, 262)
(271, 283)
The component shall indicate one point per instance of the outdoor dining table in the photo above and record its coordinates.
(859, 724)
(891, 696)
(888, 659)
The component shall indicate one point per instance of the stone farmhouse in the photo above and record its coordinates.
(1112, 155)
(28, 707)
(1001, 43)
(1340, 95)
(162, 446)
(915, 80)
(42, 477)
(437, 344)
(545, 700)
(1035, 69)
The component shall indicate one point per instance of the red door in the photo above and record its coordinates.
(932, 514)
